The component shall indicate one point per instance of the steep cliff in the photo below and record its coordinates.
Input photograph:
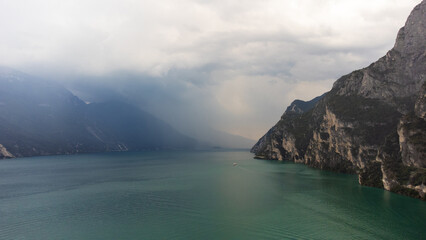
(371, 123)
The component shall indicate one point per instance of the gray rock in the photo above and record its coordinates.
(371, 123)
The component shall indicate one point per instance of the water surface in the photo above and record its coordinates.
(194, 195)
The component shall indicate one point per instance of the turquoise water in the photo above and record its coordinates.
(194, 195)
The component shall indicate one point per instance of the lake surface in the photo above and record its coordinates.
(194, 195)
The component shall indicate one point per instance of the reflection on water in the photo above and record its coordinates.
(194, 195)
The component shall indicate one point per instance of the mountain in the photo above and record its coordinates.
(372, 123)
(269, 145)
(38, 117)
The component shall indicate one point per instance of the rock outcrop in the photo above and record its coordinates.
(4, 153)
(371, 123)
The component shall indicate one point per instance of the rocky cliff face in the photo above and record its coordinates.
(371, 123)
(271, 145)
(4, 153)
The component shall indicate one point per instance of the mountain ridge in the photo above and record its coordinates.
(371, 123)
(39, 117)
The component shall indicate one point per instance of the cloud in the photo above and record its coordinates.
(224, 64)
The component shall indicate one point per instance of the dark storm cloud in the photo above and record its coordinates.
(198, 63)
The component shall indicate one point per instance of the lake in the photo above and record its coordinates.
(194, 195)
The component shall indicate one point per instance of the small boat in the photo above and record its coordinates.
(234, 164)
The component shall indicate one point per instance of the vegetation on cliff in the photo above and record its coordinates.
(372, 123)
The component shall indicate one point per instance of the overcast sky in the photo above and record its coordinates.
(231, 65)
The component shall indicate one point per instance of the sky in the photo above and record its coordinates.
(230, 65)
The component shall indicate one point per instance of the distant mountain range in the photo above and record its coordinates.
(372, 122)
(38, 117)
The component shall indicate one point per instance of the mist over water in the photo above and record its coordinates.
(230, 67)
(137, 75)
(194, 195)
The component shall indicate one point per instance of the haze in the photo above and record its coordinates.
(227, 65)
